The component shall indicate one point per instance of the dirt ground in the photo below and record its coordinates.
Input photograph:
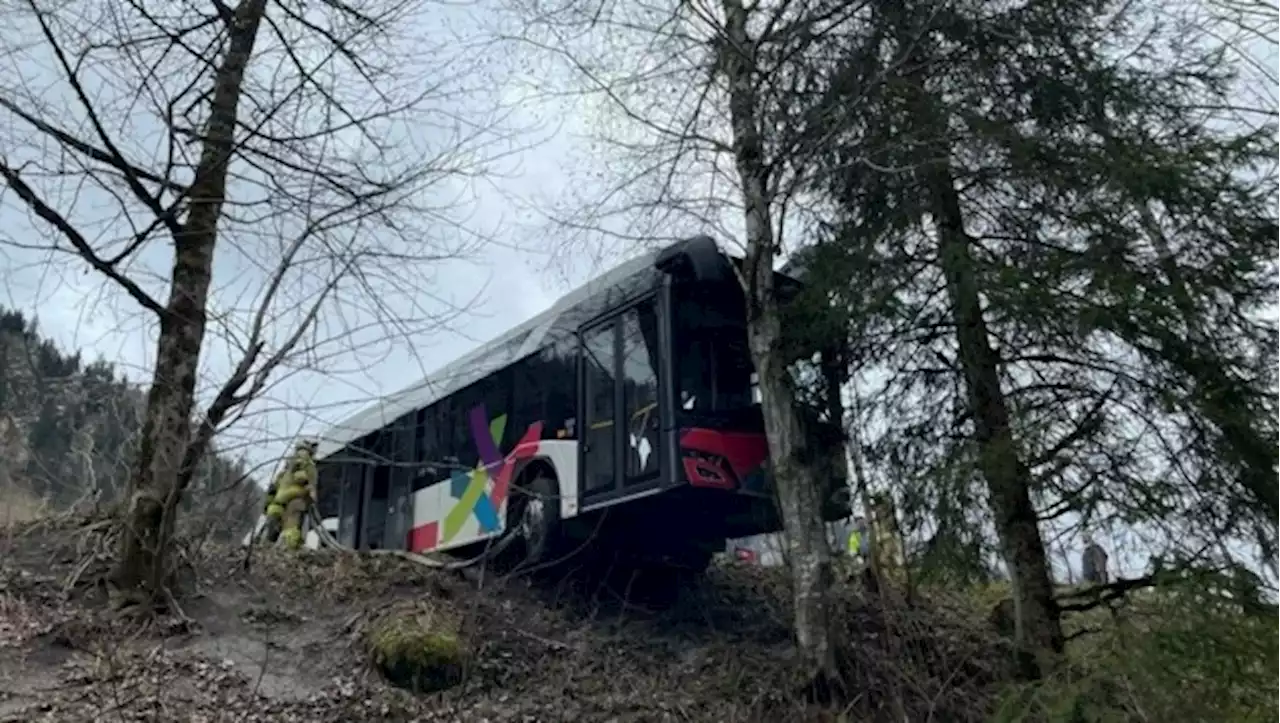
(281, 642)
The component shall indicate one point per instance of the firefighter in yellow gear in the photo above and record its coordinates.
(291, 494)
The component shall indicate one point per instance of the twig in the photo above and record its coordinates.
(553, 644)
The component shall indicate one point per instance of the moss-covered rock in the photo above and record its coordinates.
(418, 646)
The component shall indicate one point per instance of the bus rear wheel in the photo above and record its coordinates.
(537, 519)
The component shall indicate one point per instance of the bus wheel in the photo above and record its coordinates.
(538, 519)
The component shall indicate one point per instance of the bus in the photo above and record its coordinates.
(626, 415)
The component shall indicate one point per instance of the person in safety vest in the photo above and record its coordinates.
(857, 546)
(295, 488)
(859, 541)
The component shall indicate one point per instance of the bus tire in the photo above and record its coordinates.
(538, 519)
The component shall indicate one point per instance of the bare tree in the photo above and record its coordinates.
(288, 140)
(709, 118)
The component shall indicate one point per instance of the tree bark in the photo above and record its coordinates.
(1038, 632)
(799, 492)
(140, 573)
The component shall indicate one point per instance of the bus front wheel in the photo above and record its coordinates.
(538, 519)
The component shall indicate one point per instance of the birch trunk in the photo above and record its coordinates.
(799, 491)
(140, 573)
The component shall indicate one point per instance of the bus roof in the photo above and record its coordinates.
(478, 363)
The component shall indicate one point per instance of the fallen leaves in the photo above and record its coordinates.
(563, 649)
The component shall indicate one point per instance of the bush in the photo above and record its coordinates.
(1167, 654)
(418, 646)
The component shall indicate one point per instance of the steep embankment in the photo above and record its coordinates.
(288, 641)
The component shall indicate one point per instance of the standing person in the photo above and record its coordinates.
(857, 548)
(296, 492)
(859, 540)
(1093, 562)
(853, 544)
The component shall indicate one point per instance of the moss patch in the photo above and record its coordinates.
(418, 646)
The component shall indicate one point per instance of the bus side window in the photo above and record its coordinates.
(558, 376)
(526, 395)
(444, 452)
(461, 448)
(428, 447)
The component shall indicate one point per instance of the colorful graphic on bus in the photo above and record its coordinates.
(482, 492)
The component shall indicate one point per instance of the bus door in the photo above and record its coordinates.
(399, 512)
(377, 487)
(621, 431)
(599, 436)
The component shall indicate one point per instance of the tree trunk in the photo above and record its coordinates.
(1039, 632)
(799, 497)
(834, 455)
(799, 493)
(140, 572)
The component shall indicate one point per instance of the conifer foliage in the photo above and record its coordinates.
(69, 433)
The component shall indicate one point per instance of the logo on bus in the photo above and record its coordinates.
(469, 490)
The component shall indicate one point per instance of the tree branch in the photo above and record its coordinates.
(167, 216)
(1100, 595)
(87, 149)
(55, 219)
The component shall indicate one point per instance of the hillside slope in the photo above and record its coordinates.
(298, 637)
(68, 431)
(287, 641)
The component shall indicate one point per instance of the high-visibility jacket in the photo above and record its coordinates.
(299, 480)
(859, 541)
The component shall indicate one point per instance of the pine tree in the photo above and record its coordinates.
(1066, 265)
